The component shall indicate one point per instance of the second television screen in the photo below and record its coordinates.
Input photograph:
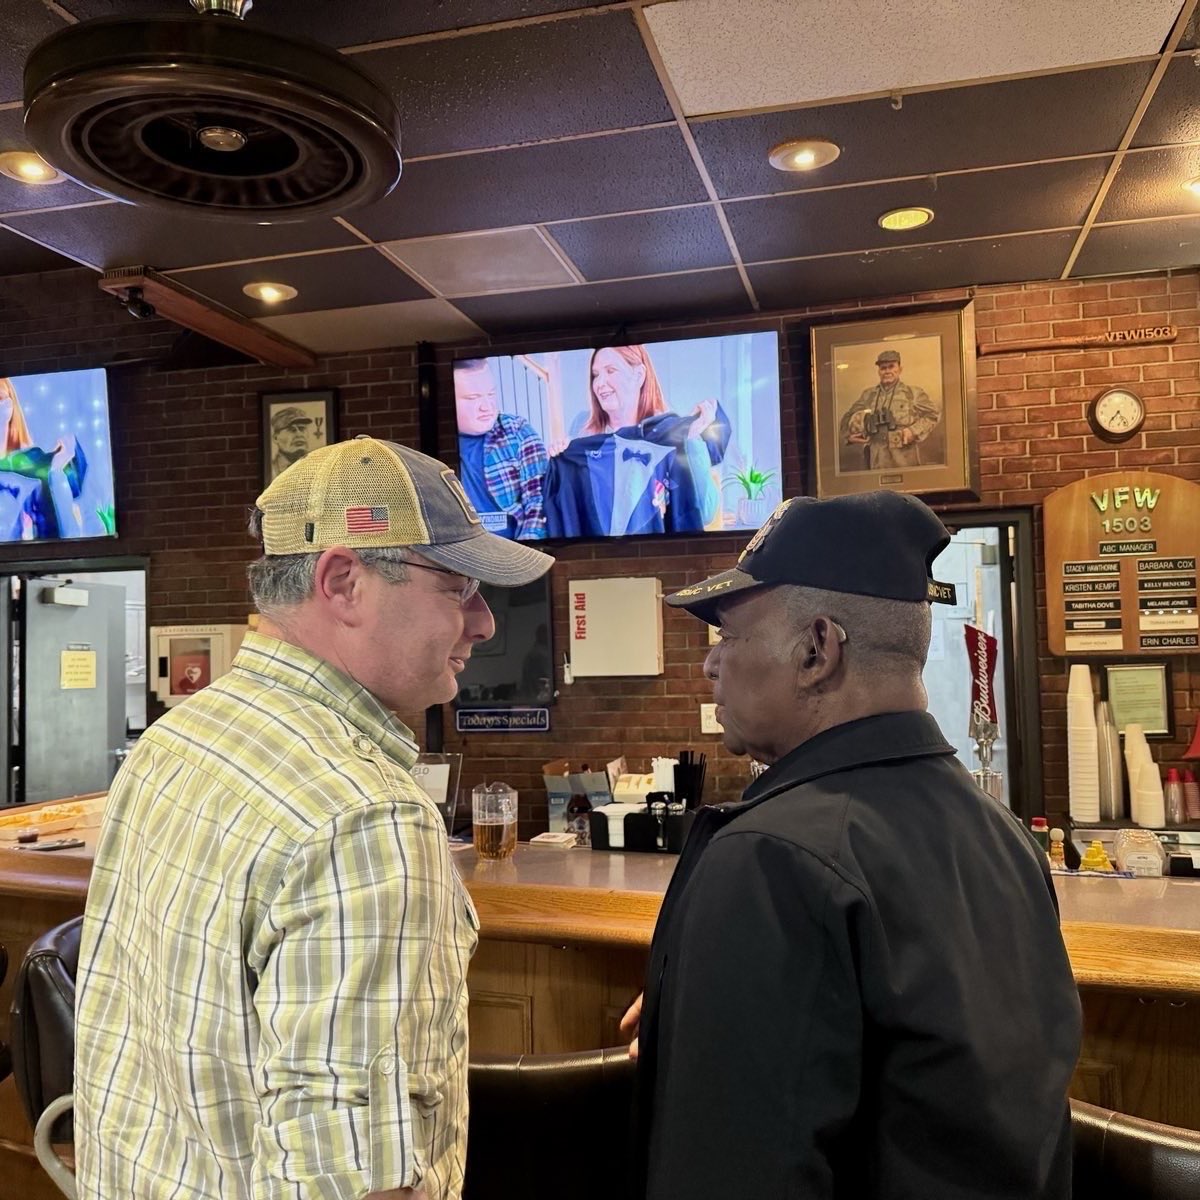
(668, 437)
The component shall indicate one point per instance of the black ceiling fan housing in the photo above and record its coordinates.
(119, 105)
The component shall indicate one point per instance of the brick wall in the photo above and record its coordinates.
(188, 448)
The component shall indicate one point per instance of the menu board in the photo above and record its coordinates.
(1121, 552)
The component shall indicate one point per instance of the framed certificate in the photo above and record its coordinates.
(1140, 693)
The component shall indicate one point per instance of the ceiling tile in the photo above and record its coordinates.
(1020, 120)
(374, 326)
(976, 204)
(911, 269)
(704, 293)
(1144, 246)
(1173, 115)
(119, 235)
(20, 256)
(653, 243)
(730, 55)
(628, 171)
(16, 197)
(1191, 35)
(350, 24)
(25, 23)
(469, 264)
(341, 279)
(521, 85)
(1149, 183)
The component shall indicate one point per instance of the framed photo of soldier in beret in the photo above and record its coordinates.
(293, 424)
(894, 403)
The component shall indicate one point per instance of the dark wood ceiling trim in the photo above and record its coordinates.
(180, 304)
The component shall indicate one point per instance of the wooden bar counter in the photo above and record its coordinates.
(563, 942)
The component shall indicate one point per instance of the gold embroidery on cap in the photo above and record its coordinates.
(941, 593)
(766, 527)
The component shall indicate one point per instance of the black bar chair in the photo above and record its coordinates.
(5, 1052)
(43, 1044)
(545, 1126)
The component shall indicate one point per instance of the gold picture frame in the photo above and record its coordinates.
(894, 403)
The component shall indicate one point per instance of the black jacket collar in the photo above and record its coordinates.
(888, 737)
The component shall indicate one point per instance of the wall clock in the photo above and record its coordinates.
(1116, 415)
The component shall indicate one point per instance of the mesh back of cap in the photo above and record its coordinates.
(361, 482)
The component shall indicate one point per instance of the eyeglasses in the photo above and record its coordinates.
(465, 594)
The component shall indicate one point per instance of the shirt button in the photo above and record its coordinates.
(387, 1065)
(362, 744)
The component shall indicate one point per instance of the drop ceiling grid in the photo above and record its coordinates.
(540, 153)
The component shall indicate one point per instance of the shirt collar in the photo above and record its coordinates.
(887, 737)
(286, 665)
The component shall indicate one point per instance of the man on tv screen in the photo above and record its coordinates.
(502, 458)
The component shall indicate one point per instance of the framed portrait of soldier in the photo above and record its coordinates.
(293, 425)
(894, 404)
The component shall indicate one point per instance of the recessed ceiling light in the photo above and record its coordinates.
(899, 219)
(1193, 186)
(270, 293)
(26, 167)
(803, 154)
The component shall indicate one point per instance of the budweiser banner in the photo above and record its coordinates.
(981, 653)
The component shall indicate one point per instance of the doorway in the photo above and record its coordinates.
(72, 674)
(990, 561)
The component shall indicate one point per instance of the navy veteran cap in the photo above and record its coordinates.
(874, 544)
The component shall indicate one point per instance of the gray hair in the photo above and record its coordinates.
(887, 635)
(283, 580)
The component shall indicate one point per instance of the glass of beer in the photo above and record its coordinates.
(494, 820)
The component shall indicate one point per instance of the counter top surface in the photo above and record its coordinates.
(1128, 934)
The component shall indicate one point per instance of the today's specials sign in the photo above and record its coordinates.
(1121, 553)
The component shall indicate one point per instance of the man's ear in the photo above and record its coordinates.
(338, 582)
(818, 654)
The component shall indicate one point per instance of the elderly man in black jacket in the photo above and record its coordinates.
(857, 987)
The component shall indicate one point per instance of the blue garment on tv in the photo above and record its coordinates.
(474, 480)
(637, 480)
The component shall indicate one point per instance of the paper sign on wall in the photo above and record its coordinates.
(77, 669)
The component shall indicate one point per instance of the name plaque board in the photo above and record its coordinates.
(1121, 553)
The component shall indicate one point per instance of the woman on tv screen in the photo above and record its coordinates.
(45, 493)
(637, 467)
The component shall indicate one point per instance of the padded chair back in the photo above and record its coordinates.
(43, 1023)
(1119, 1155)
(5, 1054)
(550, 1125)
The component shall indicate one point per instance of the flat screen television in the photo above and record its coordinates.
(664, 437)
(515, 668)
(56, 472)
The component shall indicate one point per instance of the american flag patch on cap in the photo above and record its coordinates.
(367, 520)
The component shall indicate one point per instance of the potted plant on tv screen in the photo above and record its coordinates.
(755, 506)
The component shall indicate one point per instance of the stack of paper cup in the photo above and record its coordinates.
(1083, 760)
(1108, 744)
(1147, 804)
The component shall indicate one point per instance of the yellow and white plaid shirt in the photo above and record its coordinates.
(272, 983)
